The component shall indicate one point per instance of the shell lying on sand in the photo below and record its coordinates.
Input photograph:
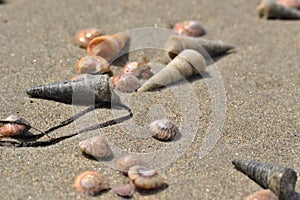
(96, 147)
(269, 9)
(190, 28)
(187, 63)
(139, 70)
(92, 65)
(163, 129)
(125, 190)
(83, 37)
(126, 83)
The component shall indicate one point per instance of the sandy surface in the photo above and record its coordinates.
(261, 81)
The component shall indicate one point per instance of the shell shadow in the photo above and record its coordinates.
(154, 191)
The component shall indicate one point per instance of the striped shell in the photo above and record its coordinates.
(96, 147)
(163, 129)
(145, 178)
(91, 182)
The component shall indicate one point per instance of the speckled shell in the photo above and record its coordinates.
(270, 9)
(262, 195)
(125, 162)
(290, 3)
(93, 65)
(163, 129)
(190, 28)
(145, 178)
(13, 126)
(96, 147)
(187, 63)
(139, 70)
(91, 182)
(280, 180)
(107, 46)
(126, 190)
(83, 37)
(126, 83)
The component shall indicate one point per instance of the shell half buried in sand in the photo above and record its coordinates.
(187, 63)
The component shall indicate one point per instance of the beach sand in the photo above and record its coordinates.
(258, 119)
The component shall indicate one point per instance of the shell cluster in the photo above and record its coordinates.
(83, 37)
(125, 162)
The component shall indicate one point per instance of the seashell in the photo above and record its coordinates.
(280, 180)
(126, 162)
(262, 195)
(126, 190)
(163, 129)
(145, 178)
(177, 43)
(139, 70)
(126, 83)
(187, 63)
(91, 182)
(96, 147)
(83, 37)
(269, 9)
(79, 76)
(107, 46)
(86, 91)
(14, 125)
(93, 65)
(190, 28)
(290, 3)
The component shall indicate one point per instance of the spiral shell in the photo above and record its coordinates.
(270, 9)
(163, 129)
(126, 190)
(14, 125)
(290, 3)
(91, 182)
(145, 178)
(190, 28)
(262, 195)
(83, 37)
(96, 147)
(139, 70)
(126, 162)
(93, 65)
(126, 83)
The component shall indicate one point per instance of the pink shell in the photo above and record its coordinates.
(190, 28)
(126, 83)
(17, 126)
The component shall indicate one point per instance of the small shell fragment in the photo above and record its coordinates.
(139, 70)
(96, 147)
(262, 195)
(91, 182)
(125, 162)
(14, 125)
(163, 129)
(83, 37)
(126, 190)
(93, 65)
(126, 83)
(190, 28)
(145, 178)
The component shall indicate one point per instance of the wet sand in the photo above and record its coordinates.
(260, 80)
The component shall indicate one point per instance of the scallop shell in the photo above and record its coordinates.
(107, 46)
(139, 70)
(124, 163)
(290, 3)
(163, 129)
(145, 178)
(269, 9)
(83, 37)
(14, 125)
(280, 180)
(126, 190)
(262, 195)
(91, 182)
(190, 28)
(126, 83)
(93, 65)
(96, 147)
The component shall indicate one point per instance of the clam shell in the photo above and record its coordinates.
(83, 37)
(190, 28)
(262, 195)
(126, 83)
(125, 162)
(93, 65)
(145, 178)
(96, 147)
(14, 125)
(91, 182)
(126, 190)
(163, 129)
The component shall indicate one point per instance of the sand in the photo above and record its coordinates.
(257, 120)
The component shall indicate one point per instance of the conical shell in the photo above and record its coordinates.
(177, 43)
(107, 46)
(280, 180)
(269, 9)
(187, 63)
(86, 91)
(96, 147)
